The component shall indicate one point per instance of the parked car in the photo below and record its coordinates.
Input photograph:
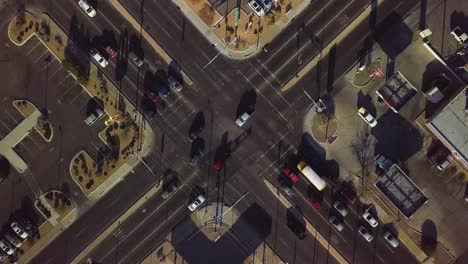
(256, 7)
(112, 53)
(365, 234)
(459, 35)
(220, 163)
(196, 203)
(366, 116)
(12, 239)
(349, 195)
(267, 5)
(315, 202)
(444, 163)
(98, 57)
(2, 256)
(336, 223)
(19, 230)
(195, 160)
(391, 239)
(151, 95)
(87, 8)
(290, 173)
(164, 91)
(149, 108)
(242, 119)
(285, 185)
(297, 229)
(370, 219)
(174, 84)
(137, 60)
(94, 116)
(340, 208)
(6, 247)
(195, 133)
(169, 191)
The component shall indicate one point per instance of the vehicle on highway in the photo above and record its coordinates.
(285, 185)
(315, 202)
(164, 91)
(196, 203)
(174, 84)
(94, 116)
(220, 163)
(197, 156)
(364, 114)
(391, 239)
(340, 208)
(169, 191)
(365, 234)
(6, 247)
(89, 10)
(312, 176)
(98, 57)
(267, 5)
(195, 133)
(151, 95)
(291, 175)
(256, 7)
(460, 36)
(19, 230)
(137, 60)
(336, 223)
(112, 53)
(12, 239)
(349, 195)
(370, 219)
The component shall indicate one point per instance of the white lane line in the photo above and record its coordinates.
(268, 82)
(294, 36)
(259, 92)
(46, 51)
(306, 44)
(274, 162)
(27, 53)
(52, 75)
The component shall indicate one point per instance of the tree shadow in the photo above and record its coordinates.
(246, 103)
(223, 149)
(175, 71)
(77, 48)
(93, 104)
(197, 146)
(422, 15)
(310, 151)
(331, 69)
(366, 101)
(5, 168)
(122, 55)
(428, 236)
(197, 126)
(459, 19)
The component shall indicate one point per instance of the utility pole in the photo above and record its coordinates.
(219, 53)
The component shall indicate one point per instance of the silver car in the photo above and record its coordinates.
(242, 119)
(174, 84)
(89, 10)
(6, 247)
(365, 234)
(196, 203)
(336, 223)
(19, 230)
(391, 239)
(370, 219)
(170, 190)
(98, 57)
(340, 208)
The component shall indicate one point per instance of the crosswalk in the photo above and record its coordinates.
(32, 183)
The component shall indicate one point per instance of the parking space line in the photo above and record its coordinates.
(14, 119)
(258, 91)
(52, 75)
(38, 43)
(46, 51)
(275, 161)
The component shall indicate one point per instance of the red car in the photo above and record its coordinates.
(316, 203)
(112, 53)
(293, 176)
(218, 165)
(349, 195)
(152, 96)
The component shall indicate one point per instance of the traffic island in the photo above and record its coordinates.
(363, 77)
(211, 226)
(324, 127)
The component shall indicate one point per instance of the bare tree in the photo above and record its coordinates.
(363, 150)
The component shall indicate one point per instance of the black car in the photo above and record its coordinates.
(196, 158)
(298, 230)
(195, 133)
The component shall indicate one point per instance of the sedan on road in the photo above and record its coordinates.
(365, 234)
(336, 223)
(370, 219)
(364, 114)
(340, 208)
(196, 203)
(98, 57)
(391, 239)
(89, 10)
(169, 191)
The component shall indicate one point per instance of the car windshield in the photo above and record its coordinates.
(390, 237)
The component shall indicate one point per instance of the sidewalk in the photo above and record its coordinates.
(220, 45)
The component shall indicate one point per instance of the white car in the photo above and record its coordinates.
(365, 234)
(196, 203)
(6, 247)
(12, 239)
(370, 219)
(336, 223)
(459, 35)
(257, 8)
(391, 239)
(243, 118)
(340, 208)
(89, 10)
(98, 58)
(370, 120)
(267, 5)
(19, 230)
(174, 84)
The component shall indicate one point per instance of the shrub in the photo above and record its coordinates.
(68, 203)
(19, 38)
(80, 178)
(87, 186)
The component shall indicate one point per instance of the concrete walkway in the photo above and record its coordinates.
(14, 137)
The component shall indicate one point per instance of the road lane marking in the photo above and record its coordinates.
(268, 82)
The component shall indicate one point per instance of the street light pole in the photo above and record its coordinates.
(319, 104)
(219, 53)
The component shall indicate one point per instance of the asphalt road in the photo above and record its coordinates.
(275, 127)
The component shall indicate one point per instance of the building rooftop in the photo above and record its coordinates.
(452, 125)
